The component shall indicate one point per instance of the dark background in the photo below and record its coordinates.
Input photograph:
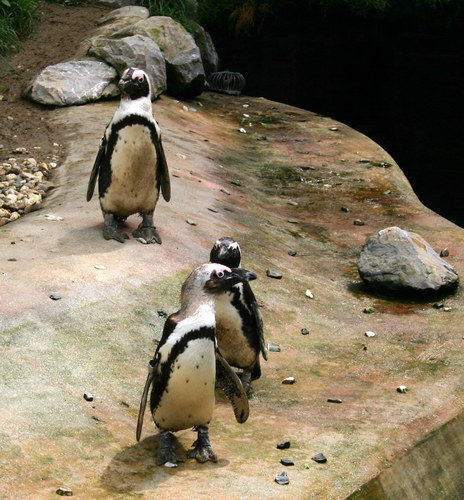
(397, 76)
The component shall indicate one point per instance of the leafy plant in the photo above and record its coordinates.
(16, 20)
(182, 11)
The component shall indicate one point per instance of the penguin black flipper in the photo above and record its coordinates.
(96, 168)
(250, 299)
(143, 402)
(229, 382)
(163, 170)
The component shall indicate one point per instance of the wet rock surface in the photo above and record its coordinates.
(102, 333)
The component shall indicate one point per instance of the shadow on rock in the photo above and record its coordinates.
(134, 468)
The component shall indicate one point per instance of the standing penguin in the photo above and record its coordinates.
(186, 364)
(130, 165)
(239, 326)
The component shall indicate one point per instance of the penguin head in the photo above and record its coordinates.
(134, 83)
(226, 251)
(215, 279)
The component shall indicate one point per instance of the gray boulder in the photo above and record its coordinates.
(209, 56)
(185, 72)
(74, 82)
(137, 50)
(398, 262)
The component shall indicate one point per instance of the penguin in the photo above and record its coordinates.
(186, 364)
(239, 326)
(131, 165)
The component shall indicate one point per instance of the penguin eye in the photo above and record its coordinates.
(220, 274)
(140, 79)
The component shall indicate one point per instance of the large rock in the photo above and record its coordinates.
(209, 56)
(398, 262)
(74, 82)
(136, 50)
(185, 72)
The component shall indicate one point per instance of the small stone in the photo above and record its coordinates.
(283, 445)
(162, 314)
(88, 396)
(369, 334)
(53, 296)
(191, 222)
(345, 209)
(304, 331)
(271, 347)
(292, 253)
(447, 309)
(282, 478)
(402, 389)
(223, 190)
(387, 192)
(293, 203)
(292, 221)
(333, 129)
(319, 458)
(309, 294)
(444, 253)
(236, 183)
(289, 380)
(438, 305)
(274, 273)
(170, 465)
(287, 462)
(242, 130)
(334, 400)
(100, 267)
(358, 222)
(64, 492)
(142, 240)
(368, 310)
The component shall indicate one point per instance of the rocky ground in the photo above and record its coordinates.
(30, 148)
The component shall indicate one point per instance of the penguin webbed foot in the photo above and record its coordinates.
(111, 229)
(245, 379)
(202, 450)
(167, 449)
(147, 231)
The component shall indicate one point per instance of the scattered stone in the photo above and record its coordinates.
(333, 129)
(292, 253)
(213, 210)
(64, 492)
(223, 190)
(319, 458)
(447, 309)
(402, 389)
(292, 221)
(369, 334)
(287, 462)
(271, 347)
(438, 305)
(334, 400)
(236, 183)
(288, 380)
(282, 478)
(283, 445)
(53, 296)
(52, 217)
(142, 240)
(358, 222)
(293, 203)
(368, 310)
(397, 262)
(345, 209)
(274, 273)
(309, 294)
(162, 314)
(88, 396)
(100, 267)
(444, 253)
(191, 222)
(304, 331)
(242, 130)
(170, 465)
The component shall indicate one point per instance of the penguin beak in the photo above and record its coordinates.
(238, 275)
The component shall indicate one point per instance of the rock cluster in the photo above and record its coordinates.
(23, 184)
(397, 262)
(175, 60)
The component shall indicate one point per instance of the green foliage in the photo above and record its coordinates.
(16, 20)
(182, 11)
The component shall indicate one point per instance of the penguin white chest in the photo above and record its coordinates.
(133, 185)
(188, 398)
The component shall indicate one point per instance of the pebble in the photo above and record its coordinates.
(274, 273)
(309, 294)
(444, 253)
(191, 222)
(53, 296)
(438, 305)
(100, 267)
(223, 190)
(304, 331)
(282, 478)
(64, 492)
(88, 396)
(369, 334)
(236, 183)
(334, 400)
(319, 458)
(345, 209)
(289, 380)
(358, 222)
(242, 130)
(292, 253)
(170, 465)
(142, 240)
(271, 347)
(283, 445)
(402, 389)
(287, 462)
(213, 210)
(368, 310)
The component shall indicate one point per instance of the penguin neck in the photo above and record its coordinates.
(129, 106)
(201, 309)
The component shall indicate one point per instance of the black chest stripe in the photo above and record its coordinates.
(166, 368)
